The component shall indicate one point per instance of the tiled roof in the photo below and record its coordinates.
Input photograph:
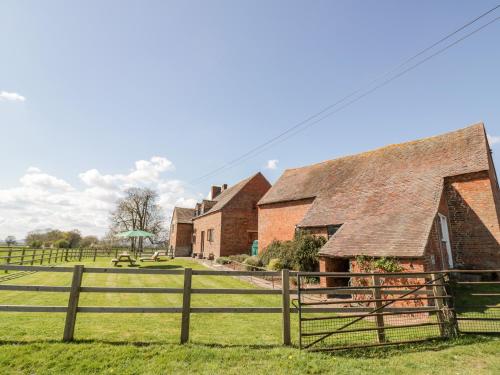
(183, 215)
(386, 199)
(225, 197)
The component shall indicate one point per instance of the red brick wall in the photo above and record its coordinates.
(204, 223)
(327, 264)
(240, 216)
(410, 265)
(277, 221)
(180, 238)
(473, 212)
(234, 222)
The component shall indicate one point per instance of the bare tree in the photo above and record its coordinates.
(138, 210)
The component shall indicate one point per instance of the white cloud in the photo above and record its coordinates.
(44, 201)
(33, 170)
(11, 96)
(493, 139)
(272, 164)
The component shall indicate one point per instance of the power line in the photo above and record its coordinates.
(278, 141)
(304, 124)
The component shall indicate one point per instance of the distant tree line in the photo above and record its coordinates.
(137, 210)
(60, 239)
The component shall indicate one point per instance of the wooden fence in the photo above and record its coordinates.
(31, 256)
(73, 308)
(23, 256)
(369, 301)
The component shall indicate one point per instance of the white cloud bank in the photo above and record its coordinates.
(11, 96)
(44, 201)
(493, 139)
(272, 164)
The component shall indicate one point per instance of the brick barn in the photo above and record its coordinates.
(181, 231)
(227, 223)
(433, 203)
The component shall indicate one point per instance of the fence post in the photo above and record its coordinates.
(285, 294)
(22, 256)
(33, 253)
(80, 256)
(74, 295)
(57, 255)
(9, 254)
(379, 319)
(443, 318)
(62, 254)
(43, 256)
(95, 253)
(186, 305)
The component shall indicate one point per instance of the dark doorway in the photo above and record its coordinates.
(202, 242)
(341, 265)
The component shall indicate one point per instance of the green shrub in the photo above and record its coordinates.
(383, 264)
(282, 250)
(61, 244)
(300, 254)
(223, 260)
(275, 265)
(240, 258)
(36, 244)
(306, 251)
(252, 263)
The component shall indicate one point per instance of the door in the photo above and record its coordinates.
(445, 238)
(202, 241)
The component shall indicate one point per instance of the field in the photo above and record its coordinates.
(219, 343)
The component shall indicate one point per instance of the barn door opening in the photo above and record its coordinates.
(340, 265)
(445, 238)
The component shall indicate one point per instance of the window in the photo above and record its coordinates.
(210, 235)
(332, 229)
(252, 236)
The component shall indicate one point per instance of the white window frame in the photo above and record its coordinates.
(445, 237)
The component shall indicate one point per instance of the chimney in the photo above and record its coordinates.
(224, 187)
(214, 191)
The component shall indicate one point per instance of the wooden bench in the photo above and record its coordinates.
(123, 258)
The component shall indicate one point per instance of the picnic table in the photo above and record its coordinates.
(123, 258)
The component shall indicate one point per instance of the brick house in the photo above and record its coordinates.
(181, 231)
(227, 223)
(433, 203)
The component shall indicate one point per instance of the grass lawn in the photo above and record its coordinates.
(219, 343)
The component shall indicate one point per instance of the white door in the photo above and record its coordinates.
(445, 237)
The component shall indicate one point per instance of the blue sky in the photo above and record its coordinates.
(119, 92)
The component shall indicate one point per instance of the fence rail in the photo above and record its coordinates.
(32, 256)
(373, 309)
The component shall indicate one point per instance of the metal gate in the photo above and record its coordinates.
(476, 298)
(349, 310)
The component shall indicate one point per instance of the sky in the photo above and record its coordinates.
(99, 96)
